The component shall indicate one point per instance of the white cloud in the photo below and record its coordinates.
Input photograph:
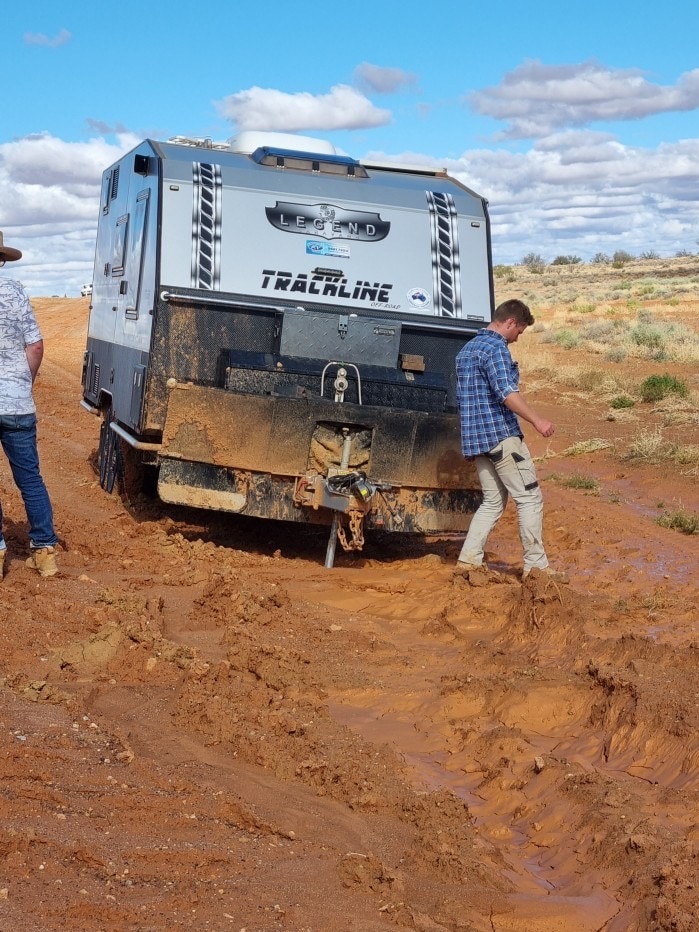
(260, 108)
(557, 198)
(38, 38)
(49, 201)
(382, 80)
(536, 99)
(577, 192)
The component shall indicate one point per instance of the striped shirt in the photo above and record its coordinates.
(18, 328)
(485, 375)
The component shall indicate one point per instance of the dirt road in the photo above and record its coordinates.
(202, 728)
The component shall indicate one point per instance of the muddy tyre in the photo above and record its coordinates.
(108, 453)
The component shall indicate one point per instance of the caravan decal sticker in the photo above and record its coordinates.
(206, 226)
(446, 262)
(418, 297)
(326, 286)
(315, 248)
(328, 221)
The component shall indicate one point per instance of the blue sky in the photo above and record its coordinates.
(579, 124)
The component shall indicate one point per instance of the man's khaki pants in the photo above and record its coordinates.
(508, 470)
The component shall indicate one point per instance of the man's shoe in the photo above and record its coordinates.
(549, 572)
(43, 560)
(2, 561)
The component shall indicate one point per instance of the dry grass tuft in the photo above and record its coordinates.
(587, 446)
(650, 446)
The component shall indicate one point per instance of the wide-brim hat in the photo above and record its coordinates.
(8, 253)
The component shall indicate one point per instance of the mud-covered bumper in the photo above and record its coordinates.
(246, 453)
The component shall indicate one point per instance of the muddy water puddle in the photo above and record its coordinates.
(540, 893)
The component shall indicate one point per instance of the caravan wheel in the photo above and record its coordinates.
(108, 453)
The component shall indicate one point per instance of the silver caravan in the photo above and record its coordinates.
(273, 330)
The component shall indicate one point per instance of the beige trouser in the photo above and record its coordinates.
(508, 470)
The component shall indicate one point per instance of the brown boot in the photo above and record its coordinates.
(43, 560)
(2, 562)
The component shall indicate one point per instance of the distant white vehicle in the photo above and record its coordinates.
(86, 290)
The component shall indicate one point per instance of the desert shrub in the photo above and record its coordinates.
(583, 308)
(600, 258)
(686, 522)
(657, 387)
(567, 338)
(534, 262)
(621, 256)
(647, 335)
(686, 455)
(578, 481)
(649, 445)
(589, 380)
(649, 254)
(600, 330)
(622, 401)
(566, 260)
(683, 253)
(646, 289)
(616, 354)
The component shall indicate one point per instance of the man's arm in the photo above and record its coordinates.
(35, 353)
(515, 402)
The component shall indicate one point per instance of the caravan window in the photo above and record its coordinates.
(135, 267)
(110, 188)
(106, 187)
(119, 250)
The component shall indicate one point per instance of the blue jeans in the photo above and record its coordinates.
(18, 439)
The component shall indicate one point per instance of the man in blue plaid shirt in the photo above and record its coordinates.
(490, 405)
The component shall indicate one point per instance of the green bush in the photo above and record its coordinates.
(657, 387)
(568, 339)
(683, 521)
(647, 335)
(622, 401)
(578, 481)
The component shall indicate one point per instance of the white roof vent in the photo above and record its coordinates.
(250, 140)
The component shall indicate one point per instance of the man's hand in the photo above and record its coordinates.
(515, 402)
(544, 427)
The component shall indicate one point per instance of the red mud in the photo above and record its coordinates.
(202, 728)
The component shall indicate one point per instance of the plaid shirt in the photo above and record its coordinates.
(485, 375)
